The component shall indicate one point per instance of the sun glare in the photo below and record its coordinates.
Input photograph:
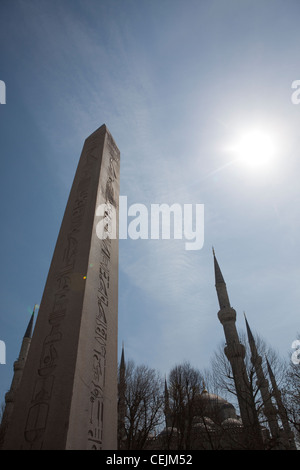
(255, 148)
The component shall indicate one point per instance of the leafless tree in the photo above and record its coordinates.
(143, 405)
(185, 383)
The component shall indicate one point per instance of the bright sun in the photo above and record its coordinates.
(255, 148)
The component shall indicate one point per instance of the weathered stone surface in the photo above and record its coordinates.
(68, 394)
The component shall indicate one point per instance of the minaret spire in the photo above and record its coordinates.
(167, 411)
(122, 362)
(262, 383)
(28, 332)
(289, 436)
(19, 364)
(235, 353)
(122, 401)
(220, 284)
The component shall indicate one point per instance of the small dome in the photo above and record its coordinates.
(232, 423)
(203, 422)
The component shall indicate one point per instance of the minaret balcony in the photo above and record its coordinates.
(234, 350)
(227, 314)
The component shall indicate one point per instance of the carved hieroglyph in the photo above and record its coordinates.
(68, 395)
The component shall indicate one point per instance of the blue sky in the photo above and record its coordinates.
(176, 82)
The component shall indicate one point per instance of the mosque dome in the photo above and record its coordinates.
(215, 407)
(203, 422)
(211, 398)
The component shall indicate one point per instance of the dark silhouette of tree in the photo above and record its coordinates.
(184, 386)
(143, 405)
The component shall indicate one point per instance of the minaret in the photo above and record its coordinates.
(121, 401)
(18, 372)
(263, 385)
(167, 411)
(235, 353)
(289, 436)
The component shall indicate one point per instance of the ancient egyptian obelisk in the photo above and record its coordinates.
(67, 398)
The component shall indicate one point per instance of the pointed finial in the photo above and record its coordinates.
(250, 335)
(213, 250)
(218, 274)
(28, 332)
(122, 362)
